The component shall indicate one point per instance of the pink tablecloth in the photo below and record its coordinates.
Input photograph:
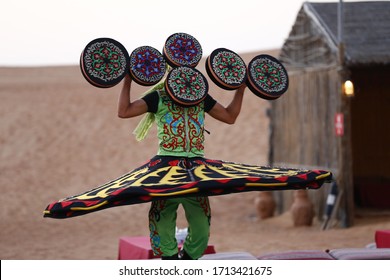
(138, 248)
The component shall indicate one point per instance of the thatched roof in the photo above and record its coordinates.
(366, 32)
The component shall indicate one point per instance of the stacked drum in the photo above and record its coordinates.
(104, 62)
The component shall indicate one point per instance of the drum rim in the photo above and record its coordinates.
(95, 82)
(216, 80)
(186, 103)
(256, 89)
(135, 78)
(174, 63)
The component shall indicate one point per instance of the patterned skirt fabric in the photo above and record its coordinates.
(169, 177)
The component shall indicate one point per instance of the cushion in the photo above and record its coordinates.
(382, 238)
(297, 255)
(360, 254)
(229, 256)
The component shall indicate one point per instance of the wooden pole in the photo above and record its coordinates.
(345, 178)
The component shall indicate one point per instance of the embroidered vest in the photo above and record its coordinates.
(180, 130)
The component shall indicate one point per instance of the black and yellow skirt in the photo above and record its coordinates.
(169, 177)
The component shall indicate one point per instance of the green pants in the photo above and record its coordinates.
(162, 226)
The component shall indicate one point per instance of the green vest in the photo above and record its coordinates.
(180, 130)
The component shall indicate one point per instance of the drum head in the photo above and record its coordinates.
(267, 77)
(104, 62)
(186, 86)
(182, 49)
(147, 66)
(226, 69)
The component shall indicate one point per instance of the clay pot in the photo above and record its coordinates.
(302, 209)
(265, 205)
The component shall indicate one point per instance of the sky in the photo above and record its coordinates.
(53, 32)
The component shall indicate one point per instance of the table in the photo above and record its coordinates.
(138, 248)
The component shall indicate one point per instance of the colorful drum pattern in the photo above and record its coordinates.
(104, 62)
(226, 69)
(267, 77)
(147, 65)
(182, 49)
(186, 86)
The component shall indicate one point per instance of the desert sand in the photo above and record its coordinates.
(60, 136)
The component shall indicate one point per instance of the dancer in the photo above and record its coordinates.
(181, 138)
(180, 174)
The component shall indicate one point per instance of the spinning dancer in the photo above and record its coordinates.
(180, 135)
(179, 173)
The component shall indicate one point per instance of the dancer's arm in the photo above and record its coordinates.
(126, 108)
(230, 113)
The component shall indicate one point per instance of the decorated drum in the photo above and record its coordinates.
(267, 77)
(182, 49)
(226, 69)
(186, 86)
(104, 62)
(147, 65)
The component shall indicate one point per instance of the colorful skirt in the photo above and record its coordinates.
(169, 177)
